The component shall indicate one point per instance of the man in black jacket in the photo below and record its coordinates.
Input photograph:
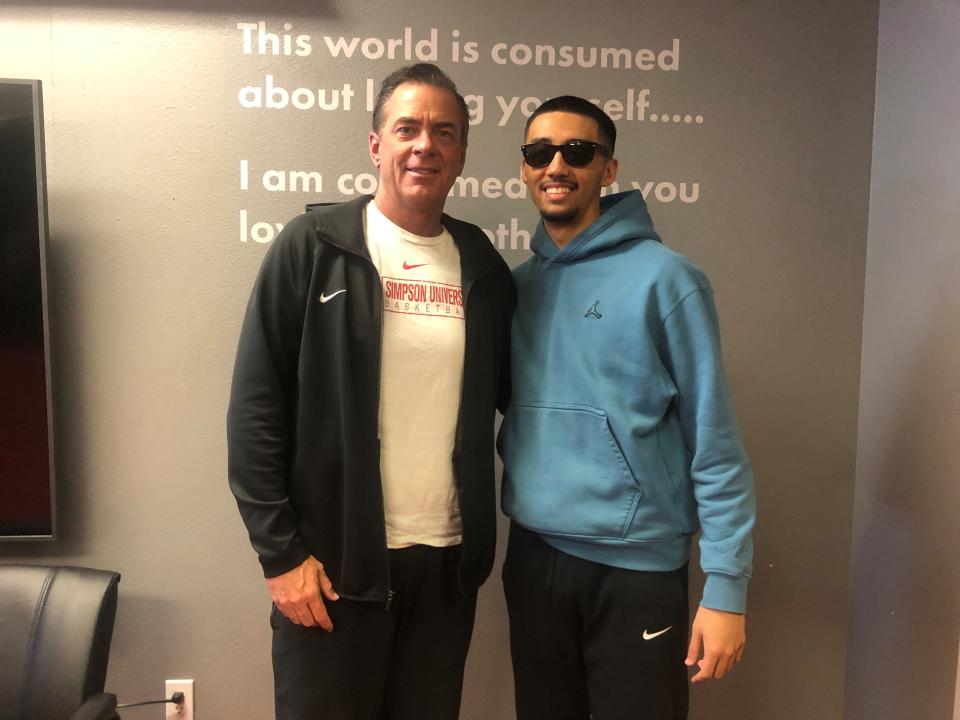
(373, 355)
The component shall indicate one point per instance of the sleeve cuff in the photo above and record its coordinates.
(284, 562)
(725, 592)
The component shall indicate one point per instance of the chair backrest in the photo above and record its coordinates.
(56, 624)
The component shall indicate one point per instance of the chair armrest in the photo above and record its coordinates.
(102, 706)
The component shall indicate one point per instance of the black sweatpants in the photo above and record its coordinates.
(593, 641)
(379, 664)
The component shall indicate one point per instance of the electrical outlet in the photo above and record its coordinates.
(183, 711)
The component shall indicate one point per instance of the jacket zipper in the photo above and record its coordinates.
(388, 594)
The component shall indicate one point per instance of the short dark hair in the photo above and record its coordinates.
(578, 106)
(421, 74)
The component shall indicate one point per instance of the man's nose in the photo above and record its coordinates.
(424, 143)
(558, 166)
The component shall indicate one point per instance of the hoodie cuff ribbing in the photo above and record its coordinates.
(725, 592)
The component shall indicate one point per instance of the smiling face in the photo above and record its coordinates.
(568, 197)
(420, 150)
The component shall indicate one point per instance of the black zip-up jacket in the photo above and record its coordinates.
(304, 456)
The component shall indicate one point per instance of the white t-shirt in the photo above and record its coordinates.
(421, 374)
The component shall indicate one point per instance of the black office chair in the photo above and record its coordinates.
(56, 624)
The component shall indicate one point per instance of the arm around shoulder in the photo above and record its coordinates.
(507, 307)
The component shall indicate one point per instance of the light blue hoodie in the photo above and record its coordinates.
(621, 440)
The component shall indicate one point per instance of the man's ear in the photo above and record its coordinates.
(610, 172)
(373, 140)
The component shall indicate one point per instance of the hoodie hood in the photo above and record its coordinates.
(623, 218)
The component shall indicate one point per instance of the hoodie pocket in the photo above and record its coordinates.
(565, 472)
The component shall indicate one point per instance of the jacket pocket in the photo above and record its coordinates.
(565, 473)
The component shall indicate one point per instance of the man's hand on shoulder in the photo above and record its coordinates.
(299, 594)
(716, 643)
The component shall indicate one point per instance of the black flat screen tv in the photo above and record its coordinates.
(27, 496)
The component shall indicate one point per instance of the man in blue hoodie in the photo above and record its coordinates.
(619, 444)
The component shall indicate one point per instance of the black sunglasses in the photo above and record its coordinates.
(576, 153)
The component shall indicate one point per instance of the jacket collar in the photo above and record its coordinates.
(341, 224)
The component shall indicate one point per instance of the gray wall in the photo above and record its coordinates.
(149, 276)
(905, 577)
